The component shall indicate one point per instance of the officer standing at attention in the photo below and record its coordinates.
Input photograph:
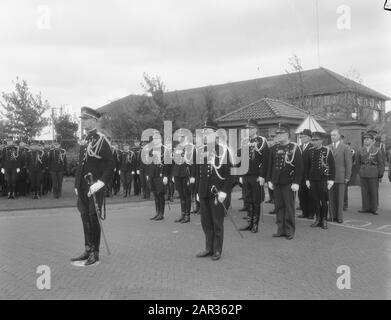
(304, 193)
(158, 173)
(181, 171)
(285, 172)
(371, 169)
(254, 179)
(127, 168)
(57, 166)
(319, 174)
(95, 157)
(215, 185)
(36, 163)
(10, 166)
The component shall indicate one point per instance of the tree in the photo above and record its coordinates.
(66, 129)
(296, 81)
(24, 111)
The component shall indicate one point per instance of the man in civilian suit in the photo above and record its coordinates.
(343, 170)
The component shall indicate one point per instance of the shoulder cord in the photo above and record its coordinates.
(40, 156)
(290, 162)
(221, 158)
(324, 159)
(94, 149)
(255, 144)
(13, 155)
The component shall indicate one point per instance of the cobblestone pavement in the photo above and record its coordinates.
(156, 260)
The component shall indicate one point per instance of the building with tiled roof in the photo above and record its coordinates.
(268, 113)
(320, 91)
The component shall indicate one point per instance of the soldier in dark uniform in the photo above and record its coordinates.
(142, 169)
(304, 192)
(194, 186)
(127, 169)
(158, 173)
(285, 172)
(319, 173)
(136, 178)
(22, 178)
(170, 183)
(57, 163)
(116, 184)
(95, 157)
(10, 167)
(254, 179)
(181, 175)
(371, 163)
(215, 185)
(47, 179)
(36, 162)
(2, 177)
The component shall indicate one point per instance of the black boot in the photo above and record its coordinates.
(157, 210)
(250, 219)
(323, 223)
(160, 208)
(92, 259)
(256, 215)
(317, 220)
(187, 218)
(182, 217)
(84, 256)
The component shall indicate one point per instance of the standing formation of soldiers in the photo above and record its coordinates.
(32, 169)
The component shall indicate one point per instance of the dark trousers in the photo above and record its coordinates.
(57, 177)
(145, 185)
(369, 194)
(284, 203)
(136, 184)
(22, 182)
(47, 182)
(319, 197)
(10, 177)
(160, 202)
(254, 193)
(116, 184)
(305, 201)
(271, 194)
(181, 184)
(36, 181)
(346, 198)
(170, 188)
(212, 222)
(337, 197)
(89, 218)
(126, 180)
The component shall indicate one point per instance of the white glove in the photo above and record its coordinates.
(330, 184)
(115, 169)
(165, 180)
(295, 187)
(76, 191)
(2, 171)
(241, 180)
(146, 178)
(17, 170)
(138, 171)
(197, 197)
(119, 171)
(173, 179)
(270, 184)
(261, 181)
(96, 187)
(308, 184)
(132, 172)
(192, 180)
(221, 196)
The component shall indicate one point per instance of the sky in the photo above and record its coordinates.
(88, 53)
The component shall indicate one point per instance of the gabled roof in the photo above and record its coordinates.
(263, 109)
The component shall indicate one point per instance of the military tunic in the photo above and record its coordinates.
(319, 167)
(11, 163)
(371, 169)
(95, 157)
(285, 168)
(57, 164)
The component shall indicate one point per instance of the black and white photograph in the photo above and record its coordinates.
(195, 156)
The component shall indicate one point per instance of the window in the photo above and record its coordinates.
(376, 116)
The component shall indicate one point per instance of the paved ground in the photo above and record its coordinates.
(155, 260)
(47, 201)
